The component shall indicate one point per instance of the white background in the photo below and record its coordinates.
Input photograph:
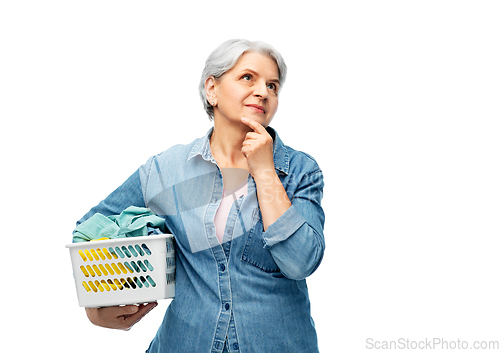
(397, 100)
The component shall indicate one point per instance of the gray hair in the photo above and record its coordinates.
(225, 57)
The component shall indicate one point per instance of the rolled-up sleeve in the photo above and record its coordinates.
(296, 239)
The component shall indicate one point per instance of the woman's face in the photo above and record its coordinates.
(249, 89)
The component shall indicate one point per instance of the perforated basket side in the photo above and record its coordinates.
(124, 271)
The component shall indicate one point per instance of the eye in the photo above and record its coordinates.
(246, 77)
(272, 86)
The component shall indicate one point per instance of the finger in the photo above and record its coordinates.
(255, 126)
(249, 144)
(252, 136)
(142, 311)
(112, 316)
(117, 311)
(146, 308)
(111, 312)
(246, 151)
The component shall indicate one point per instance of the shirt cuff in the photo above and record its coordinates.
(283, 227)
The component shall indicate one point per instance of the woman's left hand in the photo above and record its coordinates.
(258, 149)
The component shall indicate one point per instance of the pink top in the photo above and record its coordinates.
(228, 198)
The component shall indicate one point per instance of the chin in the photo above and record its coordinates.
(263, 120)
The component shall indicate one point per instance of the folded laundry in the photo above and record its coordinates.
(132, 222)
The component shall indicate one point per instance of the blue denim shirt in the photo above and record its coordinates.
(250, 291)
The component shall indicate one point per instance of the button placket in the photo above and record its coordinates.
(220, 254)
(224, 292)
(232, 337)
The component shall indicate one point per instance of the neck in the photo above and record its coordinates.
(226, 143)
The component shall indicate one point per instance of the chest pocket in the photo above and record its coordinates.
(254, 252)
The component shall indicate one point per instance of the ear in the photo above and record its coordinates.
(211, 90)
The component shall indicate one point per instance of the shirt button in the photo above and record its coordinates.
(227, 306)
(235, 346)
(222, 267)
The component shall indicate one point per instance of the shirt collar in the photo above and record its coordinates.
(202, 147)
(280, 153)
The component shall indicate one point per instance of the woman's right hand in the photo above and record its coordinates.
(119, 317)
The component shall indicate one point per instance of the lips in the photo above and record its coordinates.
(258, 108)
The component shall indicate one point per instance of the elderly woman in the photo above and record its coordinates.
(245, 211)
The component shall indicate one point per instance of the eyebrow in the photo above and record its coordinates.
(253, 72)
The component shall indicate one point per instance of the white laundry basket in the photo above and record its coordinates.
(124, 271)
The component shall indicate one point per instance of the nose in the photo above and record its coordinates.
(260, 90)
